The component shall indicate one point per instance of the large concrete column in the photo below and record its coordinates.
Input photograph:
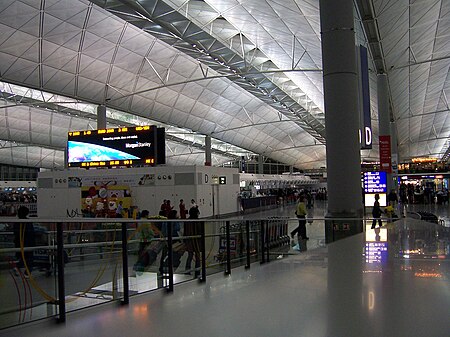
(261, 164)
(101, 117)
(340, 82)
(384, 125)
(208, 158)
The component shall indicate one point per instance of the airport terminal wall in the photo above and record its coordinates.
(96, 193)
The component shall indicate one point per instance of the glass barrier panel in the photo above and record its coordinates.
(93, 269)
(238, 244)
(255, 240)
(27, 272)
(215, 247)
(186, 251)
(216, 244)
(278, 240)
(148, 252)
(314, 233)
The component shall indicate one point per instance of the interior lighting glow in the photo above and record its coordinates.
(427, 275)
(371, 300)
(412, 251)
(424, 160)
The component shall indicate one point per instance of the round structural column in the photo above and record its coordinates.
(208, 158)
(101, 117)
(340, 80)
(261, 164)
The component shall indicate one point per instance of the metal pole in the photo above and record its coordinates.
(262, 238)
(247, 231)
(203, 251)
(126, 290)
(267, 236)
(228, 269)
(170, 255)
(60, 264)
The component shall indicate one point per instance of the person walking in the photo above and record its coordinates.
(376, 212)
(301, 215)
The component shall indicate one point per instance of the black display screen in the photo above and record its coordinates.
(128, 146)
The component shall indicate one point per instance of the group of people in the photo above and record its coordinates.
(149, 248)
(422, 194)
(167, 210)
(392, 203)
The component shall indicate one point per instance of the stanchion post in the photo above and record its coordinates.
(170, 256)
(228, 269)
(268, 241)
(60, 265)
(262, 239)
(203, 252)
(126, 290)
(247, 231)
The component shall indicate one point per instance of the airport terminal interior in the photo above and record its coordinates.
(341, 289)
(224, 168)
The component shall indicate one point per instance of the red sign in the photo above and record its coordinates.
(385, 154)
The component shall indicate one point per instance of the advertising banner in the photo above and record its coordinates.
(385, 154)
(127, 146)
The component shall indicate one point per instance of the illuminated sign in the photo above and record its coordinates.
(222, 180)
(424, 160)
(375, 182)
(376, 252)
(126, 146)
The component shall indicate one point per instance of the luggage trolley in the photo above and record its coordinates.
(277, 232)
(44, 259)
(236, 242)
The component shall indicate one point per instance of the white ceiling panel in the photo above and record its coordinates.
(78, 49)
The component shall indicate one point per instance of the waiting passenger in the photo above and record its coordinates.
(193, 244)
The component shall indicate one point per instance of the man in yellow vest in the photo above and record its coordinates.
(301, 215)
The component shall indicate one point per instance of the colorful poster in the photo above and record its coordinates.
(103, 200)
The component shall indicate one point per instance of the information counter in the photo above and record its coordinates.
(256, 202)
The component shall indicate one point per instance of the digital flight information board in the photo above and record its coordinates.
(375, 183)
(376, 252)
(127, 146)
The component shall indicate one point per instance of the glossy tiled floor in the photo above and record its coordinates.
(389, 282)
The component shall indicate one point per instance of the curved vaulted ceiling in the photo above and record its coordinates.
(245, 72)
